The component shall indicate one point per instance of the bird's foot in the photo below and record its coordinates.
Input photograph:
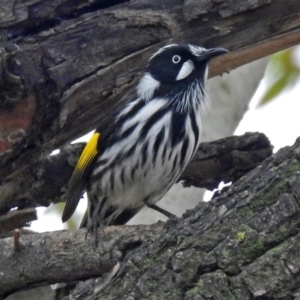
(93, 228)
(162, 211)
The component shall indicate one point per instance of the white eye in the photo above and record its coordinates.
(176, 59)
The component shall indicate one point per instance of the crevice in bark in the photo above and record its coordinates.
(38, 22)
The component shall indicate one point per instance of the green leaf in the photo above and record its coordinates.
(276, 89)
(281, 74)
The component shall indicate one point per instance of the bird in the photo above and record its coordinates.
(153, 135)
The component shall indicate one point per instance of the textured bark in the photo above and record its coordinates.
(17, 219)
(226, 160)
(64, 65)
(64, 62)
(244, 244)
(69, 62)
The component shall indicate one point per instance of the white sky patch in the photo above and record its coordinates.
(186, 69)
(296, 56)
(51, 221)
(55, 152)
(278, 119)
(208, 194)
(84, 138)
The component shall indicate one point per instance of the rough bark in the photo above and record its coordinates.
(244, 244)
(226, 160)
(63, 69)
(65, 63)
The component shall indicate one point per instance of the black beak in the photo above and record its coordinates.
(210, 53)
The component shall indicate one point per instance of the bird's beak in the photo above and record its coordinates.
(210, 53)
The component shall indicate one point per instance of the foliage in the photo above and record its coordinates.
(282, 73)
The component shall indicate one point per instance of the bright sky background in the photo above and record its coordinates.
(279, 120)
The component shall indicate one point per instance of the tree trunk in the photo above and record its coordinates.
(64, 66)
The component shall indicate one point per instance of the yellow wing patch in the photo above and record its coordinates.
(89, 152)
(78, 179)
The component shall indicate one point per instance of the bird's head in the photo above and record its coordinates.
(174, 68)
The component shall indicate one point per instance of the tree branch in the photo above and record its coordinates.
(228, 242)
(17, 219)
(63, 57)
(224, 160)
(62, 71)
(227, 160)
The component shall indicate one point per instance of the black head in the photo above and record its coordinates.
(175, 66)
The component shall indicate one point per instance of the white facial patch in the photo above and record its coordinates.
(147, 86)
(186, 69)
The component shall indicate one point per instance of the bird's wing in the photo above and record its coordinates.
(78, 180)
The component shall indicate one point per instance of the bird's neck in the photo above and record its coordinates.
(189, 99)
(183, 96)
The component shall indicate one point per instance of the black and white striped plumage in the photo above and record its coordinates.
(154, 137)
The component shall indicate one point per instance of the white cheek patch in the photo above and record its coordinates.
(147, 86)
(186, 69)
